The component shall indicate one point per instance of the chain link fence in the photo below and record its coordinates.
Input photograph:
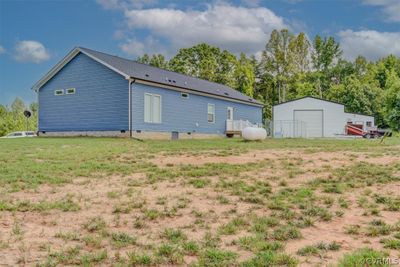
(286, 129)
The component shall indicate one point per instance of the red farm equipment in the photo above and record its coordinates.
(372, 132)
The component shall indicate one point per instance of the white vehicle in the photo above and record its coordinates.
(20, 134)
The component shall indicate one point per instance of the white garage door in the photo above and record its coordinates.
(313, 121)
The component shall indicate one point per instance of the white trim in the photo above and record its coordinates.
(214, 119)
(74, 91)
(189, 91)
(59, 90)
(151, 108)
(71, 55)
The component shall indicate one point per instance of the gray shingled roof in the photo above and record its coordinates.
(148, 73)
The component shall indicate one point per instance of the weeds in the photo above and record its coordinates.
(318, 249)
(122, 239)
(216, 257)
(261, 201)
(364, 257)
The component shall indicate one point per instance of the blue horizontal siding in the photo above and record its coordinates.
(182, 114)
(99, 104)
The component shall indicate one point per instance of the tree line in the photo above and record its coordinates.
(12, 117)
(292, 66)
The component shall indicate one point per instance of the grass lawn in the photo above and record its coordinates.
(221, 202)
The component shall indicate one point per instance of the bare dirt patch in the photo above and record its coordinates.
(335, 230)
(314, 159)
(142, 209)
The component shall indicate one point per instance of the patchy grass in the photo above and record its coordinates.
(364, 257)
(318, 249)
(122, 239)
(121, 202)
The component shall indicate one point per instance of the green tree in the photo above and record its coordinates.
(206, 62)
(303, 85)
(157, 60)
(299, 48)
(244, 75)
(354, 94)
(392, 101)
(18, 105)
(277, 60)
(360, 66)
(325, 55)
(12, 118)
(145, 59)
(34, 107)
(285, 72)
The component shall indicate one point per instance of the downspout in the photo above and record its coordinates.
(130, 82)
(38, 106)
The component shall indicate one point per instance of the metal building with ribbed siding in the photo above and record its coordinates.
(314, 117)
(93, 93)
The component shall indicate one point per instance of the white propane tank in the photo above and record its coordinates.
(253, 133)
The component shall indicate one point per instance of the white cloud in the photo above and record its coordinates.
(371, 44)
(31, 51)
(2, 50)
(125, 4)
(239, 29)
(133, 47)
(136, 48)
(391, 8)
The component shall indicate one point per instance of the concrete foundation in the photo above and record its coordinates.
(85, 133)
(139, 135)
(168, 135)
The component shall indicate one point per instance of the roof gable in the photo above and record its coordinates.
(71, 55)
(311, 97)
(132, 69)
(324, 100)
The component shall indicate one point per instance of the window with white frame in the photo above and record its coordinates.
(211, 113)
(70, 91)
(59, 92)
(369, 123)
(152, 108)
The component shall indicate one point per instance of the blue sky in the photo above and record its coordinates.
(35, 35)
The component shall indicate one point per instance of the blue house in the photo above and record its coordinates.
(93, 93)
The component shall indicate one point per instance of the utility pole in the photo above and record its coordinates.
(27, 115)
